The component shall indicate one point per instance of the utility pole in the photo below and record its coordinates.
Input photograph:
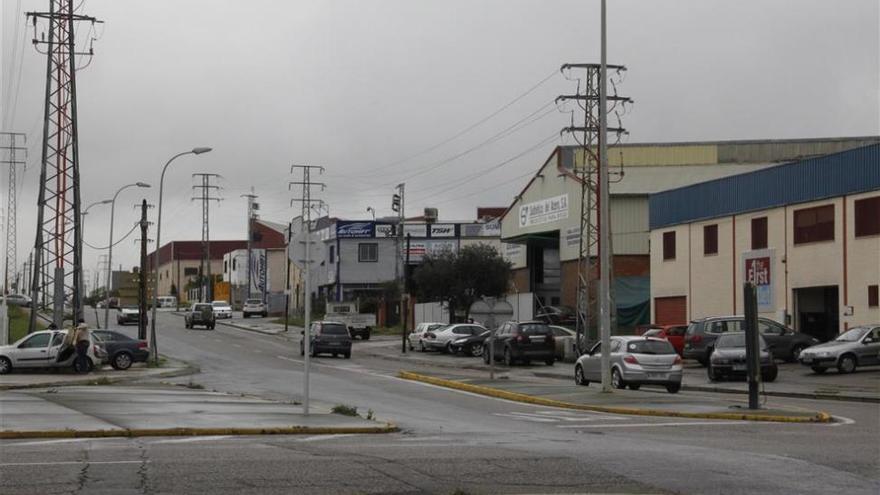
(405, 295)
(58, 243)
(604, 217)
(398, 204)
(307, 202)
(287, 282)
(250, 237)
(143, 273)
(207, 192)
(15, 155)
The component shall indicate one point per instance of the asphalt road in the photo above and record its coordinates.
(450, 441)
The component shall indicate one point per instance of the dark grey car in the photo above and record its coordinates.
(729, 358)
(783, 343)
(327, 337)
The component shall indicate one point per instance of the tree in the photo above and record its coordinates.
(459, 279)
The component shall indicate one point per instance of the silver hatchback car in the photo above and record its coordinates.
(635, 361)
(859, 346)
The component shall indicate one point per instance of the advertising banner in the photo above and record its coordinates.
(351, 230)
(758, 269)
(443, 230)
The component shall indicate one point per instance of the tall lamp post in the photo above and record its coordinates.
(110, 247)
(154, 350)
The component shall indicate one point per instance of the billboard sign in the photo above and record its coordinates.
(443, 230)
(758, 269)
(544, 211)
(351, 230)
(384, 230)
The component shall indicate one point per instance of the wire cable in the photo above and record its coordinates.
(136, 225)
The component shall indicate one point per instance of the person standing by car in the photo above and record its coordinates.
(83, 340)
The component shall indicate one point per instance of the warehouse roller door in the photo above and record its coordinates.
(670, 310)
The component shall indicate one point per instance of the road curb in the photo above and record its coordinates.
(189, 369)
(186, 432)
(818, 417)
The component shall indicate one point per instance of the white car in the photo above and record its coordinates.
(441, 338)
(415, 337)
(254, 307)
(222, 309)
(39, 350)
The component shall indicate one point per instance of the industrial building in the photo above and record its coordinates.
(807, 233)
(541, 228)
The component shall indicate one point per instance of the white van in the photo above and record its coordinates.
(167, 302)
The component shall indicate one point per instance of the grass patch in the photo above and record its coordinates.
(18, 323)
(395, 330)
(297, 321)
(101, 381)
(345, 410)
(161, 364)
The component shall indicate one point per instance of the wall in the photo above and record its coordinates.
(863, 268)
(670, 277)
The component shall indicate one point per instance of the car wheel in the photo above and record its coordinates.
(714, 376)
(245, 315)
(508, 357)
(5, 365)
(347, 355)
(265, 315)
(486, 355)
(819, 370)
(770, 375)
(212, 326)
(579, 378)
(448, 348)
(365, 335)
(476, 350)
(421, 346)
(616, 379)
(673, 388)
(846, 364)
(634, 386)
(549, 362)
(302, 351)
(314, 351)
(796, 352)
(121, 361)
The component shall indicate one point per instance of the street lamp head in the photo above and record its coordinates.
(142, 184)
(200, 150)
(105, 202)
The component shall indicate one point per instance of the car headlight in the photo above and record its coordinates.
(823, 354)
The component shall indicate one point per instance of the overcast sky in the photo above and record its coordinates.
(357, 86)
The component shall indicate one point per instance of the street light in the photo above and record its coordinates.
(154, 350)
(370, 209)
(110, 247)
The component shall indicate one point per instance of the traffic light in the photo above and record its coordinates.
(395, 202)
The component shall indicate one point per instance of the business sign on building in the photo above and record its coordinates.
(418, 249)
(351, 230)
(384, 230)
(418, 230)
(758, 269)
(544, 211)
(442, 230)
(491, 229)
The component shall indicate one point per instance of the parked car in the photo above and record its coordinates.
(167, 302)
(128, 314)
(729, 358)
(200, 314)
(635, 361)
(523, 341)
(327, 337)
(254, 307)
(40, 350)
(415, 337)
(784, 343)
(18, 300)
(557, 315)
(672, 333)
(441, 338)
(222, 310)
(121, 349)
(471, 345)
(563, 337)
(858, 346)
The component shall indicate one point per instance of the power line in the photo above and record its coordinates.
(136, 225)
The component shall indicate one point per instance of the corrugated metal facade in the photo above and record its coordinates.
(847, 172)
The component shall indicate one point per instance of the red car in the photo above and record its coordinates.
(673, 333)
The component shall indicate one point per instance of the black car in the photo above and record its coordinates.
(784, 343)
(729, 358)
(523, 341)
(471, 344)
(200, 314)
(327, 338)
(122, 350)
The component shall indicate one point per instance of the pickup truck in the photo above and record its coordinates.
(358, 324)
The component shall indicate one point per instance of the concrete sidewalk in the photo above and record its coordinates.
(161, 411)
(19, 379)
(644, 402)
(794, 380)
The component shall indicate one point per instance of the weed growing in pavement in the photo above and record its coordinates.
(345, 410)
(101, 381)
(196, 386)
(152, 364)
(370, 415)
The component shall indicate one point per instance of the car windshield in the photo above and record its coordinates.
(735, 340)
(254, 301)
(202, 307)
(649, 347)
(535, 329)
(652, 332)
(334, 329)
(853, 334)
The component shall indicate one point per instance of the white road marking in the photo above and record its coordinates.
(193, 439)
(323, 437)
(237, 345)
(64, 440)
(526, 417)
(258, 351)
(649, 425)
(217, 340)
(62, 463)
(840, 420)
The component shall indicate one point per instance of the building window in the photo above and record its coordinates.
(867, 213)
(814, 224)
(669, 245)
(368, 252)
(710, 239)
(332, 255)
(873, 296)
(759, 233)
(190, 272)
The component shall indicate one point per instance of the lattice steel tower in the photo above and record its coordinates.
(58, 245)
